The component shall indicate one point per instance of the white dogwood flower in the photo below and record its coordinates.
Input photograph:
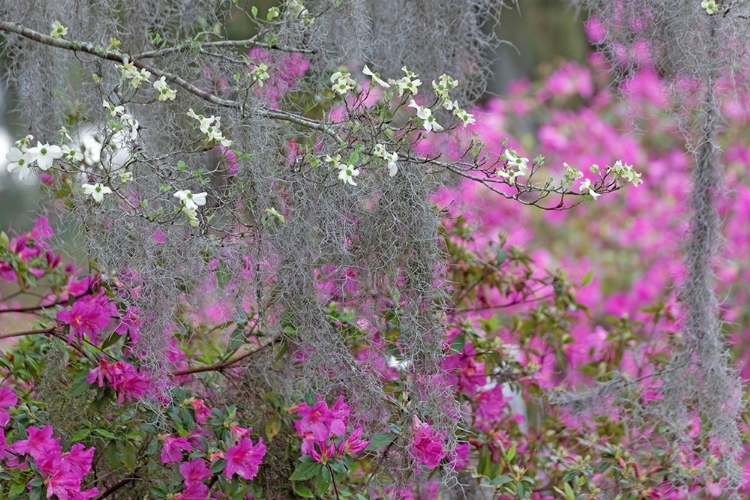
(58, 30)
(44, 154)
(375, 77)
(18, 161)
(586, 187)
(165, 93)
(191, 200)
(425, 114)
(96, 191)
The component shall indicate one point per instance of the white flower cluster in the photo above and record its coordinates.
(190, 203)
(442, 90)
(515, 166)
(165, 93)
(299, 11)
(211, 127)
(391, 158)
(347, 172)
(425, 114)
(126, 119)
(135, 75)
(259, 74)
(342, 82)
(587, 188)
(710, 6)
(409, 83)
(626, 172)
(22, 157)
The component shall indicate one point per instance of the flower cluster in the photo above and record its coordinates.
(63, 472)
(135, 75)
(323, 430)
(211, 127)
(165, 92)
(391, 158)
(347, 172)
(190, 203)
(88, 316)
(515, 166)
(22, 157)
(426, 445)
(408, 83)
(425, 114)
(342, 82)
(122, 377)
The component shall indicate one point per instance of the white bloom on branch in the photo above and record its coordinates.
(375, 77)
(58, 30)
(465, 117)
(71, 155)
(259, 74)
(45, 155)
(114, 110)
(96, 191)
(135, 75)
(165, 93)
(588, 189)
(18, 161)
(347, 173)
(408, 83)
(131, 123)
(391, 158)
(191, 200)
(425, 114)
(342, 82)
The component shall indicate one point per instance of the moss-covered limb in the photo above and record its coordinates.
(124, 58)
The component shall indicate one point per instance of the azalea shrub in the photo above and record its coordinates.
(296, 277)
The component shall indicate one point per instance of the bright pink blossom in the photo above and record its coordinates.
(39, 444)
(196, 491)
(427, 445)
(202, 412)
(8, 399)
(172, 449)
(88, 316)
(244, 458)
(195, 471)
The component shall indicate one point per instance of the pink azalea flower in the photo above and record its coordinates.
(3, 443)
(244, 459)
(426, 445)
(88, 316)
(353, 443)
(8, 399)
(195, 471)
(202, 412)
(172, 449)
(196, 491)
(39, 443)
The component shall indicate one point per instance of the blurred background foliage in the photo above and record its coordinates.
(537, 35)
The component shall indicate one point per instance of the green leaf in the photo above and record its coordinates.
(305, 471)
(587, 278)
(500, 256)
(80, 434)
(511, 454)
(254, 11)
(105, 433)
(128, 456)
(303, 491)
(569, 493)
(499, 481)
(380, 440)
